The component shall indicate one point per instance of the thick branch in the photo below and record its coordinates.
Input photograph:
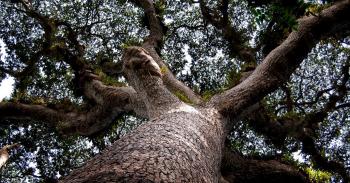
(4, 155)
(153, 43)
(173, 84)
(235, 168)
(282, 61)
(112, 103)
(155, 25)
(25, 111)
(144, 74)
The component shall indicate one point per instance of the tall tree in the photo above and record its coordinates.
(81, 66)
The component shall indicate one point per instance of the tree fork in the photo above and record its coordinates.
(180, 143)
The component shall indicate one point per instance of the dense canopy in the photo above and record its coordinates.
(52, 48)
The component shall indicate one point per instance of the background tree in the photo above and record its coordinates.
(272, 77)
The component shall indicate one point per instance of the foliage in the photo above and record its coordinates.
(182, 97)
(318, 176)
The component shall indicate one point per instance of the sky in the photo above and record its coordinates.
(6, 86)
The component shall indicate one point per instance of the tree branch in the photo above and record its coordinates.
(4, 155)
(153, 43)
(303, 128)
(234, 37)
(26, 111)
(320, 161)
(236, 168)
(113, 103)
(155, 25)
(107, 102)
(282, 61)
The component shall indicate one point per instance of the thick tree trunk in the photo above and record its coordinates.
(180, 143)
(183, 145)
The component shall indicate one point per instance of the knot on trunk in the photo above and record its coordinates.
(138, 60)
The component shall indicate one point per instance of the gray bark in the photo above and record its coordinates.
(181, 145)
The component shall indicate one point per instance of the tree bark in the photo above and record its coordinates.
(182, 145)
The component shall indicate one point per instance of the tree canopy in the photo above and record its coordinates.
(53, 47)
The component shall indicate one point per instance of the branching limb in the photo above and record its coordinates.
(116, 102)
(106, 102)
(282, 61)
(235, 38)
(154, 42)
(236, 168)
(155, 24)
(169, 80)
(309, 147)
(4, 155)
(29, 70)
(26, 111)
(304, 128)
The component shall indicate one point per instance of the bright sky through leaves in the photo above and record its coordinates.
(6, 85)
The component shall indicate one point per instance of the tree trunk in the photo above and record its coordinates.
(180, 143)
(183, 145)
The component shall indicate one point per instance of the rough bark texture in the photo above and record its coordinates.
(180, 143)
(183, 145)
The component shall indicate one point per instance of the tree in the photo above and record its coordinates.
(80, 66)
